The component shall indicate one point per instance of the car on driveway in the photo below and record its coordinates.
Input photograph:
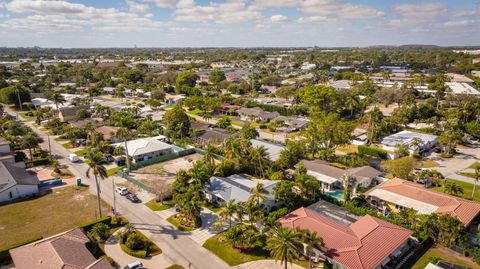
(134, 265)
(121, 190)
(109, 158)
(133, 198)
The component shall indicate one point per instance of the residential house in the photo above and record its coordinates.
(395, 194)
(426, 142)
(65, 250)
(147, 148)
(458, 78)
(330, 177)
(238, 187)
(462, 88)
(214, 136)
(342, 84)
(291, 124)
(174, 99)
(69, 113)
(6, 153)
(108, 90)
(256, 113)
(16, 183)
(273, 150)
(109, 133)
(363, 243)
(359, 136)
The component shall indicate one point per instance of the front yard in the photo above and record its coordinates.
(61, 210)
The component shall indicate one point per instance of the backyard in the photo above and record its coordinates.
(61, 210)
(445, 255)
(467, 190)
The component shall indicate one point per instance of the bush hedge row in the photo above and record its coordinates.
(88, 226)
(374, 152)
(5, 254)
(135, 253)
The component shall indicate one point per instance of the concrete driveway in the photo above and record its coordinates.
(113, 250)
(203, 233)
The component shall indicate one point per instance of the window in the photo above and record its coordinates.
(10, 194)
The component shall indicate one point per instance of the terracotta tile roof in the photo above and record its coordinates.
(364, 244)
(462, 209)
(63, 251)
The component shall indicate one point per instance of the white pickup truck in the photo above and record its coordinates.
(74, 158)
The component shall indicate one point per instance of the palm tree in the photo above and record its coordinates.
(209, 151)
(285, 245)
(258, 194)
(124, 133)
(30, 141)
(228, 210)
(452, 188)
(476, 179)
(349, 183)
(311, 241)
(57, 99)
(95, 164)
(259, 158)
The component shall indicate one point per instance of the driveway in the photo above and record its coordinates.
(203, 233)
(113, 250)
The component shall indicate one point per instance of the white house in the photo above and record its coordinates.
(147, 148)
(426, 142)
(16, 183)
(462, 88)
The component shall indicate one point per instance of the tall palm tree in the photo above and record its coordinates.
(124, 133)
(349, 183)
(96, 162)
(311, 241)
(30, 141)
(476, 179)
(258, 194)
(228, 210)
(285, 245)
(259, 159)
(57, 99)
(209, 151)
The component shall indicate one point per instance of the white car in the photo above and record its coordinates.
(122, 190)
(134, 265)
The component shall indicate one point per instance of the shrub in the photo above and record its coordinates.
(135, 253)
(88, 226)
(40, 161)
(100, 230)
(135, 242)
(275, 215)
(374, 152)
(5, 254)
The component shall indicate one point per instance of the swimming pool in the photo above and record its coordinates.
(336, 194)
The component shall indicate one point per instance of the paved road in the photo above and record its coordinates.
(176, 245)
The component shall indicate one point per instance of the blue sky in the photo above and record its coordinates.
(237, 23)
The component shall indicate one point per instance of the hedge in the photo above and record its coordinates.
(5, 254)
(135, 253)
(40, 161)
(375, 152)
(88, 226)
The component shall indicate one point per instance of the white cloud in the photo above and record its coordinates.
(66, 16)
(278, 18)
(136, 7)
(462, 23)
(340, 9)
(314, 19)
(162, 3)
(421, 11)
(234, 11)
(275, 3)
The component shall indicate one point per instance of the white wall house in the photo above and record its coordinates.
(147, 148)
(16, 183)
(427, 142)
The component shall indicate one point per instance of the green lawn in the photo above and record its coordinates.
(59, 139)
(174, 222)
(61, 210)
(223, 249)
(238, 123)
(114, 170)
(348, 148)
(467, 190)
(212, 207)
(475, 165)
(156, 206)
(81, 152)
(443, 254)
(67, 145)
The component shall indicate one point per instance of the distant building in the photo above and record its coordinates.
(462, 88)
(427, 142)
(62, 251)
(255, 113)
(459, 78)
(341, 84)
(67, 114)
(214, 136)
(174, 99)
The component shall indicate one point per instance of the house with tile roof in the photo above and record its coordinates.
(363, 243)
(395, 194)
(65, 250)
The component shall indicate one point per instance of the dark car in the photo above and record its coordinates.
(109, 158)
(120, 161)
(85, 156)
(133, 198)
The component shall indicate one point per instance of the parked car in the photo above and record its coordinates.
(134, 265)
(74, 158)
(121, 190)
(85, 156)
(109, 158)
(120, 161)
(133, 198)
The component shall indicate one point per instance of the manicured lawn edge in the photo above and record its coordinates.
(81, 152)
(114, 170)
(156, 206)
(182, 228)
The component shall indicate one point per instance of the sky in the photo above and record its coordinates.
(237, 23)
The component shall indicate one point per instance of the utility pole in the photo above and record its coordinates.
(19, 101)
(49, 147)
(114, 197)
